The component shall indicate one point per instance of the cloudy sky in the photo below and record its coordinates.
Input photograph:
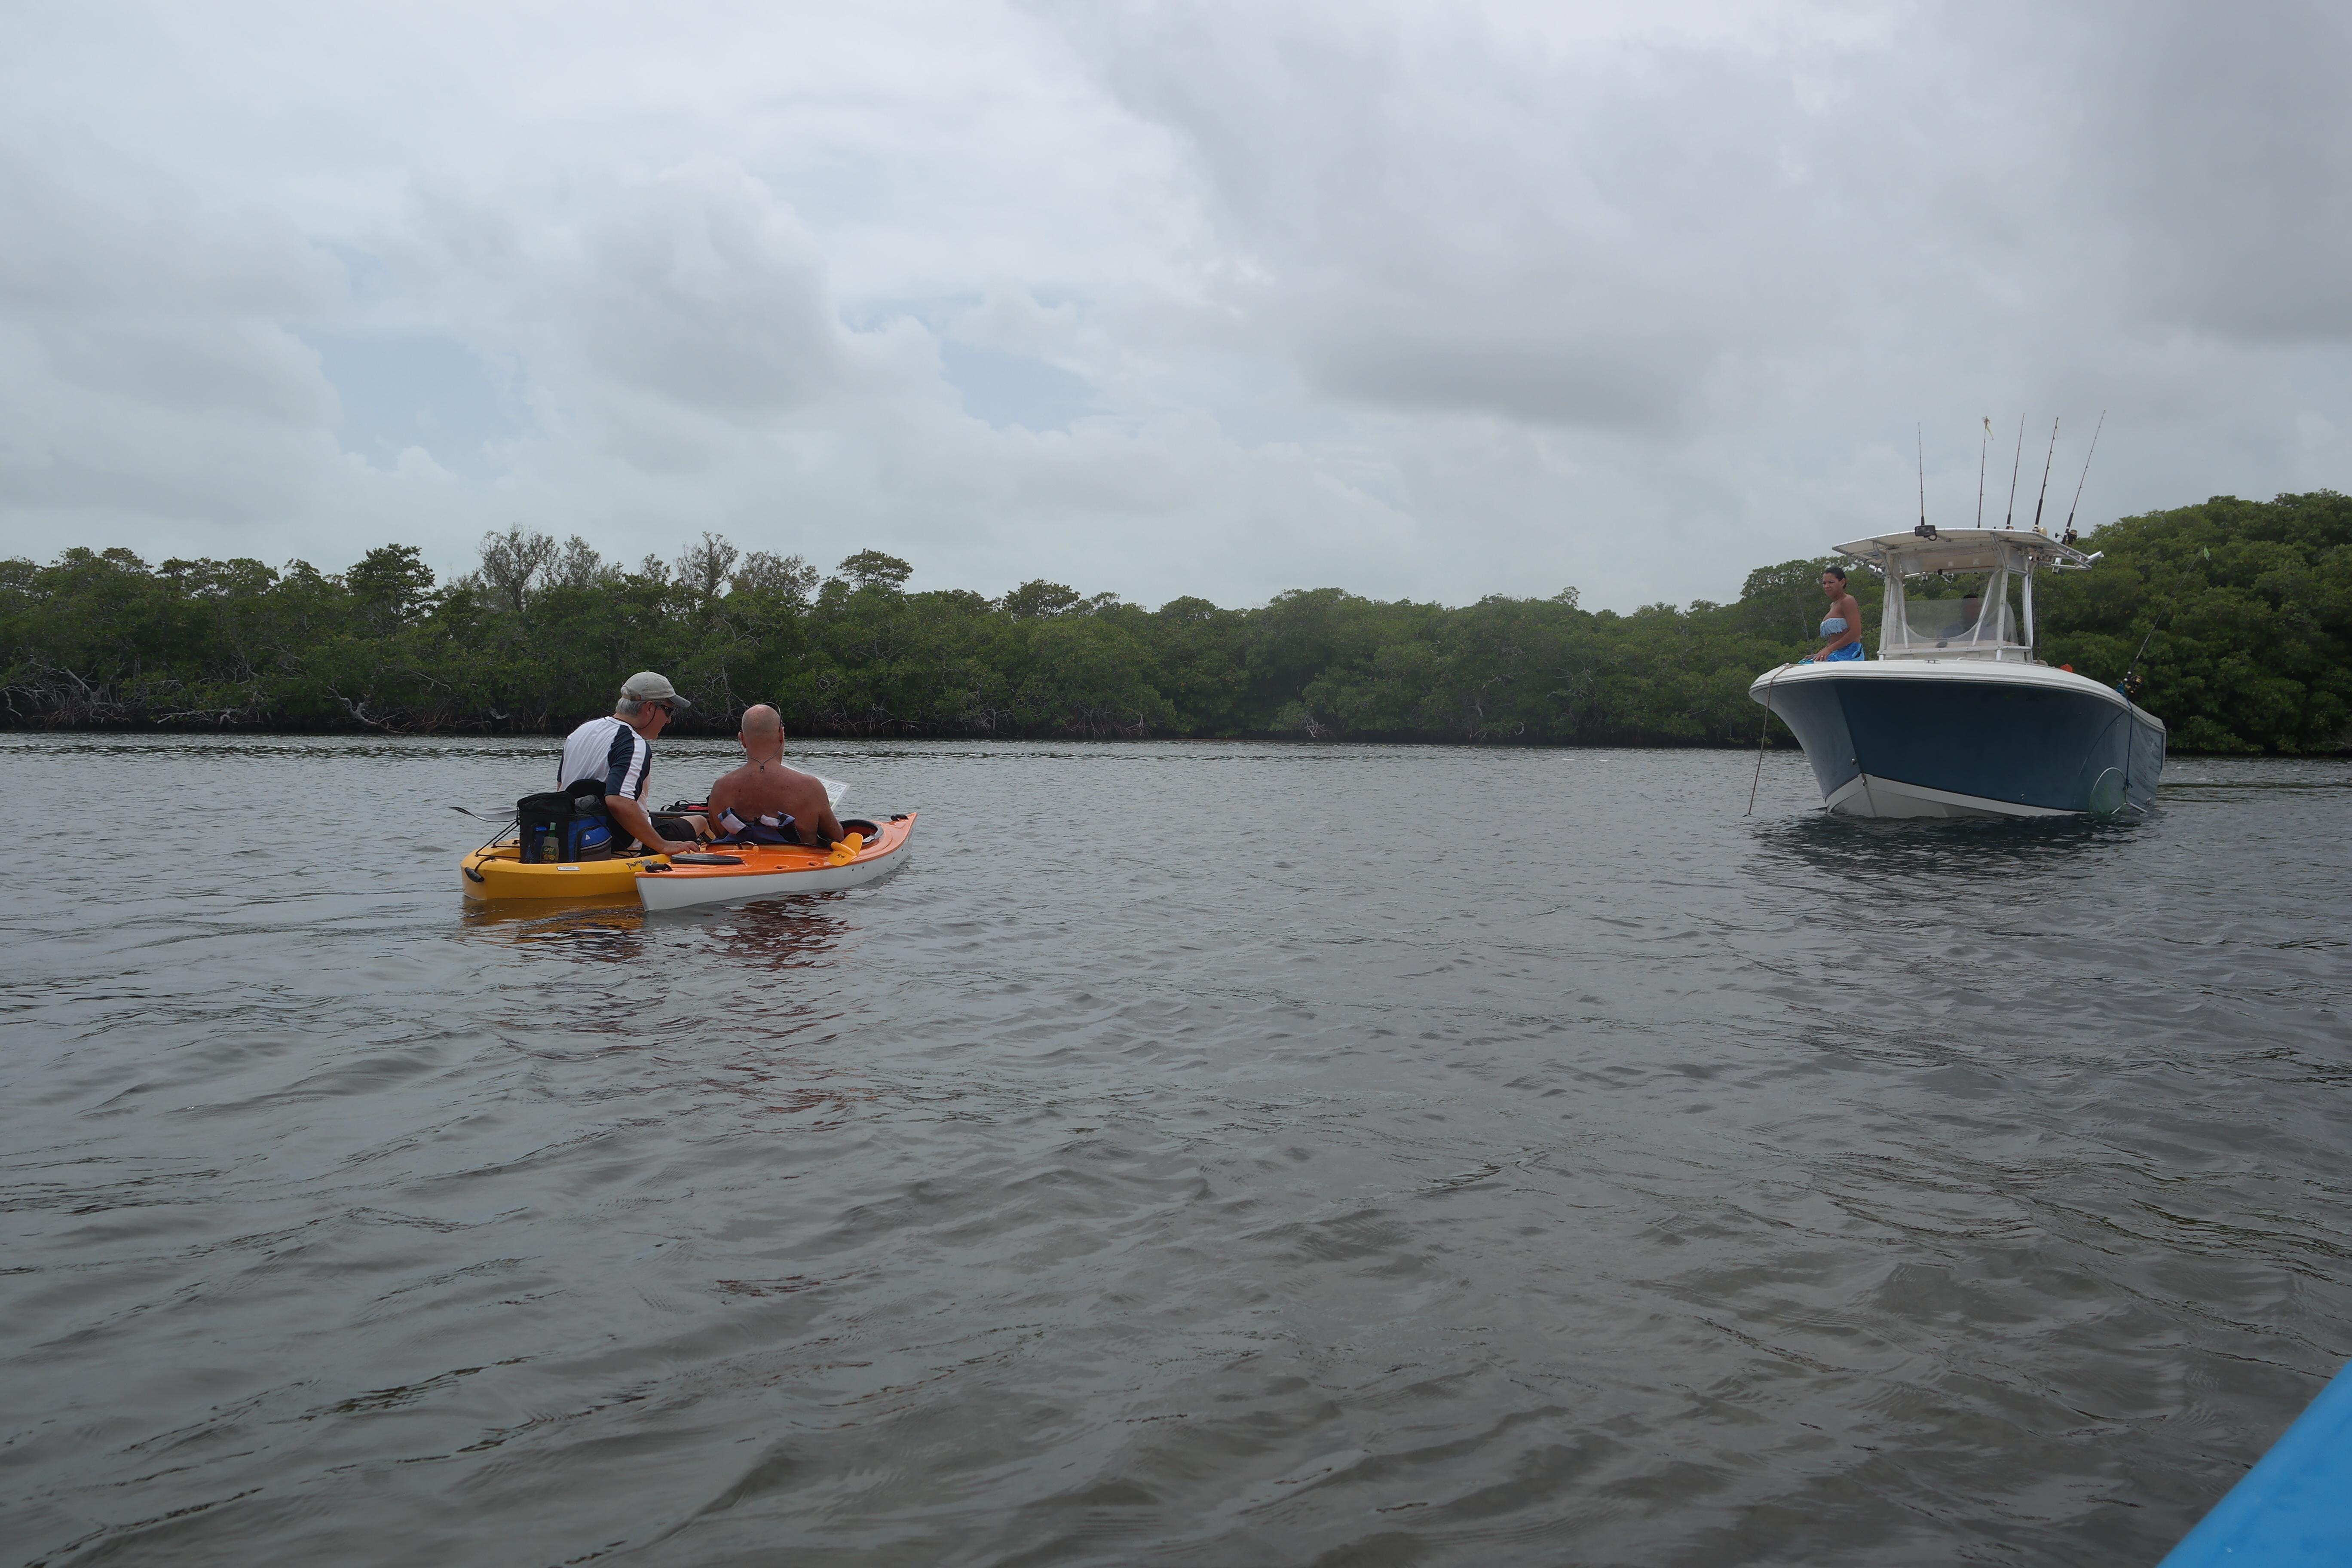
(1423, 300)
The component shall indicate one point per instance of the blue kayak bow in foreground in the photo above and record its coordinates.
(2293, 1510)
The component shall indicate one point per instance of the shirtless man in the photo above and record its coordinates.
(764, 787)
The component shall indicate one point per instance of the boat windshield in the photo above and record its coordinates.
(1943, 613)
(1944, 610)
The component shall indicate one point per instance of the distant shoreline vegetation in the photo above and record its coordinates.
(2244, 609)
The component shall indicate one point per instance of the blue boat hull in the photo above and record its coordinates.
(1932, 741)
(2294, 1509)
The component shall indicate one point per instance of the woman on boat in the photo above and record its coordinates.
(1843, 625)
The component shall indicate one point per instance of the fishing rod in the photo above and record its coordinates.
(1983, 442)
(2045, 476)
(2010, 520)
(2131, 676)
(513, 819)
(2101, 425)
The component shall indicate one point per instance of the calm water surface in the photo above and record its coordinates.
(1198, 1155)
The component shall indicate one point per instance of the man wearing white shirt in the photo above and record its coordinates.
(619, 751)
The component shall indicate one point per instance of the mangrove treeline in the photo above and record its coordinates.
(2235, 616)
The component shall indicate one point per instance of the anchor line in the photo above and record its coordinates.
(1762, 732)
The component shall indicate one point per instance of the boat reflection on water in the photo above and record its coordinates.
(744, 1038)
(1902, 864)
(533, 919)
(1935, 936)
(797, 932)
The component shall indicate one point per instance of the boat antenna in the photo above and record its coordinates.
(2045, 476)
(1923, 531)
(2010, 520)
(1983, 442)
(2086, 474)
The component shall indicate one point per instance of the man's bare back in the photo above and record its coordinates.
(764, 787)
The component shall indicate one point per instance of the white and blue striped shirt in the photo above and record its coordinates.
(608, 749)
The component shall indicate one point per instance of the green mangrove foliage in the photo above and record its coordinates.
(2237, 612)
(2238, 616)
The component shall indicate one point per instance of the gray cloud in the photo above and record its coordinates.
(144, 364)
(2218, 147)
(1443, 217)
(1428, 300)
(1440, 218)
(693, 285)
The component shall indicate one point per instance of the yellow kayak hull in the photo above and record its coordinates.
(497, 872)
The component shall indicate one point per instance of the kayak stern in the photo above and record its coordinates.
(497, 872)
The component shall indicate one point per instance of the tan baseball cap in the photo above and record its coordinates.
(648, 687)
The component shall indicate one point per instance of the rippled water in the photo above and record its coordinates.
(1197, 1155)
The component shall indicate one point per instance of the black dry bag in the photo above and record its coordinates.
(553, 825)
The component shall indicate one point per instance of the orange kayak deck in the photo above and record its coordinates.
(725, 873)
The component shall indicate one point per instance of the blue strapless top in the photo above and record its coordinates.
(1834, 625)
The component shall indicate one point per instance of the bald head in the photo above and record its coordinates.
(763, 734)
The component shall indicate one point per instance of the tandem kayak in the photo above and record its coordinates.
(766, 871)
(498, 872)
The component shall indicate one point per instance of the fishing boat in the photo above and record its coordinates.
(736, 872)
(1957, 717)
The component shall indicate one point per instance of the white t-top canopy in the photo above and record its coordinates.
(1982, 626)
(1963, 550)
